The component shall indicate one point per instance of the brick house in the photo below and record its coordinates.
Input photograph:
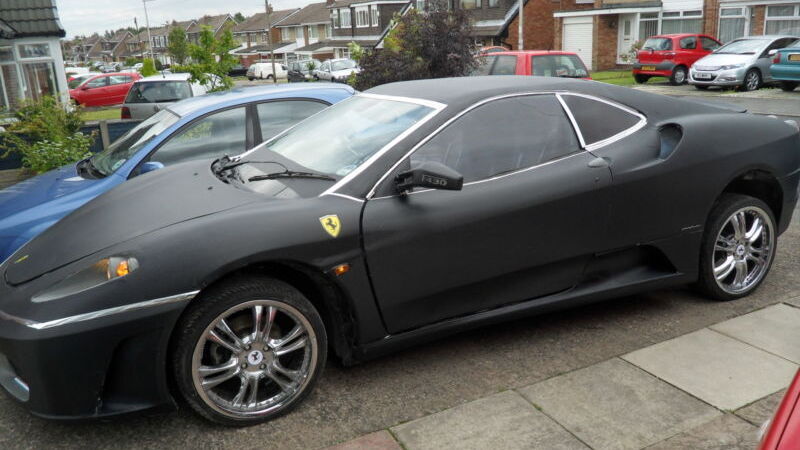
(80, 47)
(159, 39)
(31, 62)
(218, 24)
(114, 48)
(310, 29)
(252, 34)
(364, 22)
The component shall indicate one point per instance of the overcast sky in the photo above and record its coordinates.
(84, 17)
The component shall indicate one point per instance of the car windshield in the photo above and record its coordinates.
(743, 47)
(657, 44)
(159, 92)
(569, 66)
(340, 138)
(342, 65)
(129, 143)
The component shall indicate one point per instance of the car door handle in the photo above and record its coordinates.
(599, 163)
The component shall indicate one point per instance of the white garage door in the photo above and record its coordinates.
(578, 38)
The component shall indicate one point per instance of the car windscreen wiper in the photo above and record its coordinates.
(291, 174)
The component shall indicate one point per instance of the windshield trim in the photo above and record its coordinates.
(436, 109)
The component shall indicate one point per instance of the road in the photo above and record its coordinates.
(376, 395)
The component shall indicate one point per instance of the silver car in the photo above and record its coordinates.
(150, 95)
(742, 63)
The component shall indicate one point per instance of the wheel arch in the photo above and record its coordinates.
(761, 184)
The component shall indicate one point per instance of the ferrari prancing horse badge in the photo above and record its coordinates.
(331, 224)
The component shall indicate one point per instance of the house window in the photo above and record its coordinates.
(40, 79)
(327, 31)
(732, 23)
(375, 16)
(783, 19)
(494, 3)
(648, 25)
(285, 34)
(344, 17)
(470, 4)
(681, 22)
(362, 16)
(312, 32)
(335, 18)
(420, 5)
(34, 50)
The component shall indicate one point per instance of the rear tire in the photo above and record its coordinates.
(738, 247)
(679, 76)
(249, 350)
(641, 79)
(788, 86)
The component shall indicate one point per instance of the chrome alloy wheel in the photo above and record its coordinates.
(743, 250)
(254, 358)
(752, 80)
(680, 75)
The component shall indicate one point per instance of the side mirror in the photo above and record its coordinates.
(150, 166)
(430, 175)
(772, 52)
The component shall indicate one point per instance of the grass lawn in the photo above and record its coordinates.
(101, 114)
(618, 77)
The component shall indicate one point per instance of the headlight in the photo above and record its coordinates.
(731, 66)
(98, 273)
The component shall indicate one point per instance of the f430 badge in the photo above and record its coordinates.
(331, 224)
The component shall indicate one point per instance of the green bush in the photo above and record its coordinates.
(46, 135)
(148, 68)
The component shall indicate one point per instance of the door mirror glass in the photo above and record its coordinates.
(430, 175)
(150, 166)
(772, 52)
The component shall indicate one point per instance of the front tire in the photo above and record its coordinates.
(752, 80)
(678, 76)
(738, 247)
(788, 86)
(641, 79)
(248, 351)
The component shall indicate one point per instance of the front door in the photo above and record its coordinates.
(626, 38)
(523, 226)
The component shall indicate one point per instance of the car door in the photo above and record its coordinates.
(225, 132)
(689, 51)
(97, 91)
(324, 72)
(523, 226)
(118, 86)
(275, 116)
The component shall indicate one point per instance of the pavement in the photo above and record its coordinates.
(660, 370)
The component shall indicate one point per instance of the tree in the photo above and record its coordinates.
(211, 60)
(238, 17)
(178, 46)
(435, 43)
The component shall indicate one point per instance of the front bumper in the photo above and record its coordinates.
(733, 77)
(91, 365)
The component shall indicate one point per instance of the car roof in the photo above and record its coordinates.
(165, 77)
(765, 37)
(253, 93)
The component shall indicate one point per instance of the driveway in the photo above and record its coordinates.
(523, 377)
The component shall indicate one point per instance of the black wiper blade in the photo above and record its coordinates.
(291, 174)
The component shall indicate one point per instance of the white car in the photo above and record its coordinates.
(150, 95)
(336, 70)
(263, 71)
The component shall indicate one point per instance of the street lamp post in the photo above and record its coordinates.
(521, 40)
(269, 41)
(149, 37)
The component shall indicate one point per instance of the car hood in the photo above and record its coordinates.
(137, 207)
(42, 189)
(723, 60)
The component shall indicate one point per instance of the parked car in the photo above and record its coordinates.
(782, 432)
(237, 70)
(301, 70)
(785, 66)
(74, 70)
(199, 127)
(150, 95)
(742, 63)
(545, 63)
(138, 66)
(263, 71)
(336, 70)
(470, 198)
(671, 56)
(104, 89)
(76, 80)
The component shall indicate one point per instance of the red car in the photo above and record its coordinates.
(546, 63)
(671, 55)
(783, 431)
(104, 89)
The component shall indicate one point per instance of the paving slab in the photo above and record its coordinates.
(775, 329)
(380, 440)
(759, 412)
(504, 420)
(716, 368)
(726, 432)
(794, 301)
(616, 405)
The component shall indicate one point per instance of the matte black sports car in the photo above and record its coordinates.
(402, 214)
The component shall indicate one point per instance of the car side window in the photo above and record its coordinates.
(279, 115)
(502, 136)
(689, 43)
(709, 44)
(598, 120)
(119, 79)
(97, 82)
(222, 133)
(504, 65)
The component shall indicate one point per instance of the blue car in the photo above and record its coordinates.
(786, 66)
(208, 126)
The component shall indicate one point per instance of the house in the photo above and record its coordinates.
(310, 29)
(81, 47)
(364, 22)
(114, 48)
(159, 39)
(218, 25)
(252, 34)
(31, 62)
